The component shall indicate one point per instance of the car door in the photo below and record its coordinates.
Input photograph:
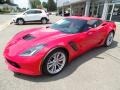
(32, 15)
(89, 37)
(29, 15)
(85, 41)
(38, 15)
(97, 32)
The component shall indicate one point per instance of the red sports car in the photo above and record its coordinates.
(46, 50)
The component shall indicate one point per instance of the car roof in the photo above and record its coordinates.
(83, 17)
(36, 9)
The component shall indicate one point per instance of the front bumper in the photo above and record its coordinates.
(24, 65)
(13, 20)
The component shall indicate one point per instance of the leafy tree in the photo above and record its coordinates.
(45, 5)
(51, 5)
(35, 3)
(2, 1)
(7, 1)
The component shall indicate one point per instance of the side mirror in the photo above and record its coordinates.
(47, 26)
(24, 13)
(95, 26)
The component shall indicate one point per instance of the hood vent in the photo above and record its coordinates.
(28, 37)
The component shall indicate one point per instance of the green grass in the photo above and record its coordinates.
(2, 12)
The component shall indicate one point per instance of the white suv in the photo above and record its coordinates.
(31, 15)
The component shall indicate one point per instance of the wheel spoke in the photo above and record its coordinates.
(57, 55)
(53, 68)
(54, 56)
(51, 62)
(58, 66)
(60, 59)
(49, 66)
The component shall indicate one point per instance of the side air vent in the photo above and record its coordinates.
(28, 37)
(73, 45)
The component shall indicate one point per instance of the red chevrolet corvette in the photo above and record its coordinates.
(47, 50)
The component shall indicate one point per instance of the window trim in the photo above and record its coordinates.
(33, 12)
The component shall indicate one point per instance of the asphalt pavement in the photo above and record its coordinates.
(5, 17)
(98, 69)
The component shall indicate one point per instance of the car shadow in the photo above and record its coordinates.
(71, 67)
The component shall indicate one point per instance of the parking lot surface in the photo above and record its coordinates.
(98, 69)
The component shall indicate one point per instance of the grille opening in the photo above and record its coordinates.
(28, 37)
(13, 63)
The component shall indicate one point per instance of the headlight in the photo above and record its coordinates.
(32, 51)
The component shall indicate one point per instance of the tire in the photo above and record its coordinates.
(20, 21)
(44, 21)
(53, 65)
(109, 39)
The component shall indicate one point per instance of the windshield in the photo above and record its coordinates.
(69, 25)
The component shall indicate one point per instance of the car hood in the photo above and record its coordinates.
(18, 15)
(29, 38)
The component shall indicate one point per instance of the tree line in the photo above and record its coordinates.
(50, 5)
(4, 1)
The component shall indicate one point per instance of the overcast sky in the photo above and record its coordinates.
(24, 3)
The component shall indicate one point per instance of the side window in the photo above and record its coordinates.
(94, 23)
(99, 22)
(37, 12)
(30, 12)
(91, 23)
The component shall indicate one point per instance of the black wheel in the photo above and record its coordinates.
(54, 62)
(109, 39)
(20, 21)
(44, 21)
